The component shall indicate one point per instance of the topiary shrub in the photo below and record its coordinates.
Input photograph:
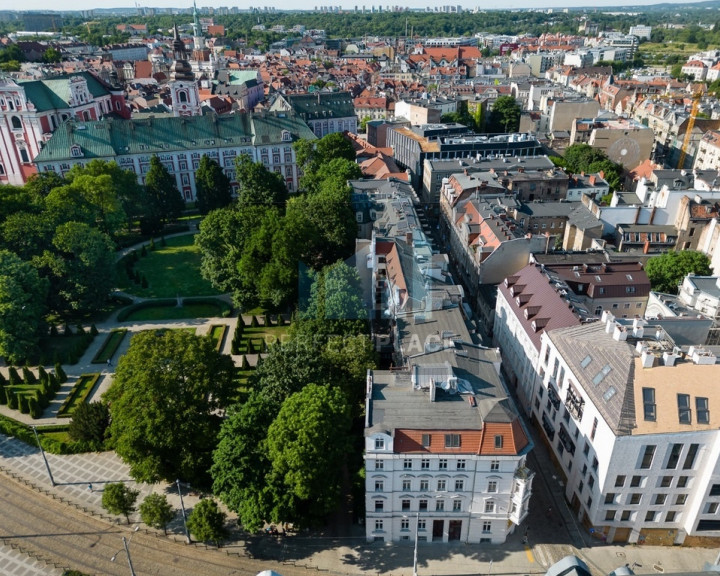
(93, 330)
(60, 373)
(3, 395)
(28, 376)
(12, 399)
(3, 380)
(35, 409)
(42, 374)
(245, 365)
(280, 320)
(254, 322)
(53, 330)
(152, 244)
(23, 404)
(13, 375)
(268, 320)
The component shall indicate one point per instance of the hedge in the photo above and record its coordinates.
(217, 333)
(110, 346)
(171, 303)
(79, 393)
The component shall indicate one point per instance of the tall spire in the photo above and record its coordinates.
(198, 39)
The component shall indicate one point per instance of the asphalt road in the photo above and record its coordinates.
(61, 535)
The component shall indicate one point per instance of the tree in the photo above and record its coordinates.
(81, 268)
(258, 185)
(207, 522)
(156, 511)
(89, 424)
(212, 185)
(306, 441)
(51, 55)
(666, 272)
(165, 405)
(119, 499)
(505, 115)
(163, 200)
(22, 306)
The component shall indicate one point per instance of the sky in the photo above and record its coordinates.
(310, 4)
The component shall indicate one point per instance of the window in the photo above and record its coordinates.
(712, 508)
(379, 505)
(424, 485)
(441, 485)
(378, 525)
(610, 498)
(635, 498)
(495, 465)
(379, 464)
(684, 412)
(649, 407)
(659, 499)
(459, 485)
(460, 465)
(405, 524)
(492, 486)
(650, 516)
(452, 440)
(16, 123)
(635, 481)
(407, 464)
(439, 505)
(442, 464)
(583, 471)
(610, 515)
(421, 525)
(594, 429)
(670, 516)
(405, 505)
(690, 458)
(489, 507)
(586, 449)
(379, 444)
(647, 458)
(674, 456)
(426, 440)
(715, 490)
(619, 481)
(378, 485)
(498, 441)
(680, 499)
(682, 481)
(625, 516)
(629, 289)
(425, 464)
(591, 481)
(486, 527)
(665, 481)
(423, 505)
(457, 505)
(406, 486)
(702, 411)
(595, 464)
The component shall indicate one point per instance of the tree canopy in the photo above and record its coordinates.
(258, 185)
(666, 272)
(212, 186)
(207, 522)
(119, 499)
(164, 405)
(156, 511)
(163, 202)
(505, 116)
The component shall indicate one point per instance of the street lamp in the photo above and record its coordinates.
(182, 507)
(417, 529)
(47, 465)
(126, 546)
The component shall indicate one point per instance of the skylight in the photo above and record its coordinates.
(586, 361)
(600, 376)
(610, 393)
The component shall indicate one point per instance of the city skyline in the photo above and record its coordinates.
(49, 5)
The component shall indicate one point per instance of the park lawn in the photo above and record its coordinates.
(217, 333)
(170, 270)
(109, 347)
(187, 310)
(78, 394)
(57, 435)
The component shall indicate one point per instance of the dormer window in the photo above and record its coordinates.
(286, 136)
(75, 151)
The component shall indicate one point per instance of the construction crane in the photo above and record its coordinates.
(688, 132)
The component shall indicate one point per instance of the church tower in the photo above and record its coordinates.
(183, 87)
(198, 39)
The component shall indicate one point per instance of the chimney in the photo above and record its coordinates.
(409, 238)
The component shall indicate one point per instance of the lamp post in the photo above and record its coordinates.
(47, 465)
(182, 507)
(417, 529)
(127, 553)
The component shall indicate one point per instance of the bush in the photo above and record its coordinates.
(268, 320)
(12, 399)
(152, 244)
(28, 376)
(89, 423)
(80, 329)
(254, 322)
(35, 409)
(60, 374)
(3, 395)
(24, 403)
(244, 365)
(3, 380)
(53, 330)
(93, 330)
(13, 375)
(42, 374)
(280, 320)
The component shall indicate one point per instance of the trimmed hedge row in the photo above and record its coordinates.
(224, 307)
(79, 393)
(32, 394)
(110, 346)
(24, 433)
(217, 333)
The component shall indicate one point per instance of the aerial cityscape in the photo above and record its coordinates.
(359, 289)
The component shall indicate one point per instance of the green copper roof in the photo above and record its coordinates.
(54, 93)
(110, 138)
(322, 105)
(241, 76)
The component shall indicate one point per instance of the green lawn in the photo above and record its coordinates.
(78, 394)
(109, 347)
(270, 335)
(217, 333)
(170, 270)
